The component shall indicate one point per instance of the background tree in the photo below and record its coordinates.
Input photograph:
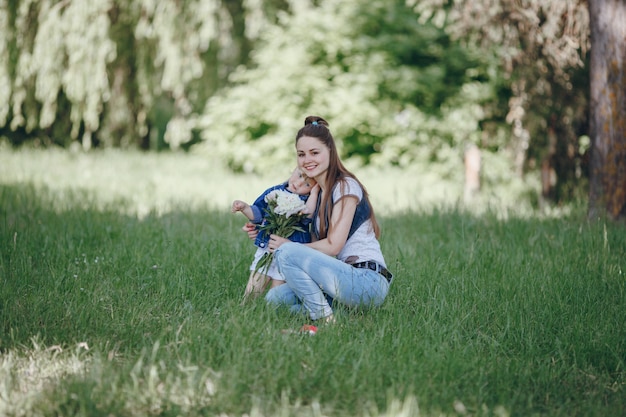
(542, 48)
(405, 83)
(116, 73)
(446, 73)
(608, 109)
(397, 91)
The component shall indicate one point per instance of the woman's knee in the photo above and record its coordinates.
(286, 252)
(280, 295)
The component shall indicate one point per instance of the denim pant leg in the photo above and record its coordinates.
(282, 295)
(312, 275)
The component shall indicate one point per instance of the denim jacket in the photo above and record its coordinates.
(259, 208)
(363, 212)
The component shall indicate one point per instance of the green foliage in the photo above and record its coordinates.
(99, 68)
(395, 90)
(542, 53)
(403, 83)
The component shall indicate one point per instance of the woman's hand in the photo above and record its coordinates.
(275, 242)
(315, 191)
(251, 230)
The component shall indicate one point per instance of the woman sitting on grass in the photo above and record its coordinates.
(344, 261)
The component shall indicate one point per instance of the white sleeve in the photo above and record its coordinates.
(350, 187)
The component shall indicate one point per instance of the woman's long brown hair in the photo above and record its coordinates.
(317, 127)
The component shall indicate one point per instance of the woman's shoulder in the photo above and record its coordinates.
(347, 186)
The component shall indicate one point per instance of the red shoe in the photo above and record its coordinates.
(308, 328)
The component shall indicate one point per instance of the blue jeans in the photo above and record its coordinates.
(311, 276)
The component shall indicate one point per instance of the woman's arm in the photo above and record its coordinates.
(340, 224)
(311, 202)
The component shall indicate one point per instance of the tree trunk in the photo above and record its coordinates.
(607, 192)
(472, 173)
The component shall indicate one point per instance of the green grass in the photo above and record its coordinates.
(120, 296)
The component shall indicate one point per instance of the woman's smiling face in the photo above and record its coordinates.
(313, 157)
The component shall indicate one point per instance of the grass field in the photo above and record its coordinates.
(122, 276)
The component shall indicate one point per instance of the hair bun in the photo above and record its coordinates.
(315, 121)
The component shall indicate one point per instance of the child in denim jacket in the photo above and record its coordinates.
(297, 184)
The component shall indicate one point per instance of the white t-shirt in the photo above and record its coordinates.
(363, 243)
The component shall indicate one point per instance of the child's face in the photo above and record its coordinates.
(300, 184)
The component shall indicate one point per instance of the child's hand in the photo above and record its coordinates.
(238, 205)
(314, 190)
(251, 230)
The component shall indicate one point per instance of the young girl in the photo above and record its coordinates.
(297, 184)
(344, 260)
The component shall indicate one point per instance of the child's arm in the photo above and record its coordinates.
(243, 207)
(311, 202)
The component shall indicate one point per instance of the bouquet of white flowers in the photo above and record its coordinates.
(284, 214)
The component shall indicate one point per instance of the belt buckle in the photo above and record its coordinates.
(371, 265)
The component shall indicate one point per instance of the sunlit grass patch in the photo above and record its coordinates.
(139, 184)
(57, 381)
(29, 372)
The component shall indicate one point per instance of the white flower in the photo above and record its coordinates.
(271, 196)
(284, 215)
(285, 203)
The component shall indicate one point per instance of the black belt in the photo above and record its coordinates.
(375, 267)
